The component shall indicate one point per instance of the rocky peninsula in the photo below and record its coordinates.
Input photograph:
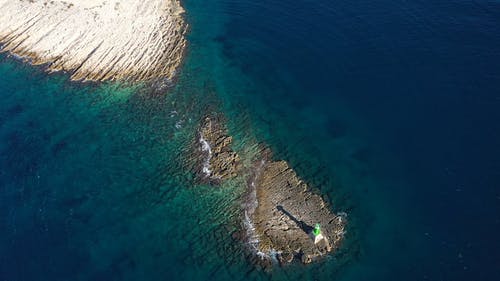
(283, 219)
(96, 39)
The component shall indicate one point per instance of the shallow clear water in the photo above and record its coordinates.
(389, 108)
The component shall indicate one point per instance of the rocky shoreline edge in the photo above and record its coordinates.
(97, 40)
(280, 212)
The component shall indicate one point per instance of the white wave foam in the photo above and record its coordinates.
(15, 56)
(205, 146)
(250, 205)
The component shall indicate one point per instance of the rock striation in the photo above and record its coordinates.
(218, 161)
(96, 39)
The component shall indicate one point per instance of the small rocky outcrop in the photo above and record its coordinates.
(285, 214)
(218, 161)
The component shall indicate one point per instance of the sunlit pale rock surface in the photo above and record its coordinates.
(96, 39)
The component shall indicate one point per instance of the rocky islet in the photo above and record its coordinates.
(280, 210)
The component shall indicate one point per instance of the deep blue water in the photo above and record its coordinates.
(391, 108)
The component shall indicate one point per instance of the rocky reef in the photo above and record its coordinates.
(97, 39)
(218, 161)
(280, 211)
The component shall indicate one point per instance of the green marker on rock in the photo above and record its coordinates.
(317, 230)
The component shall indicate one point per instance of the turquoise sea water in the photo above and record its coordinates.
(390, 109)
